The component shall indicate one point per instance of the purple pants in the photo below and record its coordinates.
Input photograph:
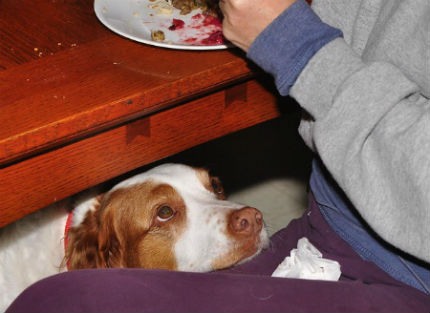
(363, 287)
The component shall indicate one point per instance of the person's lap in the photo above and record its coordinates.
(245, 288)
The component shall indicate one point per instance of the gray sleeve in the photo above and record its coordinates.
(370, 125)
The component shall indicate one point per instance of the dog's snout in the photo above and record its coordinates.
(246, 220)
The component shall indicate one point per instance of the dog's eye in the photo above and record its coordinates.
(165, 213)
(217, 186)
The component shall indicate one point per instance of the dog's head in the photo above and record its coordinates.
(171, 217)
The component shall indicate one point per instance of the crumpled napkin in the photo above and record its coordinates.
(306, 262)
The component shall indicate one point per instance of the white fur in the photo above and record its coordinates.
(32, 248)
(81, 210)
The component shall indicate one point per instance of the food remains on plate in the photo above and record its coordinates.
(157, 35)
(186, 6)
(202, 28)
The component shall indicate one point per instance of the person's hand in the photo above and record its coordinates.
(244, 20)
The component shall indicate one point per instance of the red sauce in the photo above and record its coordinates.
(211, 20)
(216, 38)
(197, 16)
(191, 40)
(213, 25)
(177, 24)
(207, 20)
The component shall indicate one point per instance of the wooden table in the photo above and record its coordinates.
(80, 105)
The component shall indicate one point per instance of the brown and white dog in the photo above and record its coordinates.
(172, 217)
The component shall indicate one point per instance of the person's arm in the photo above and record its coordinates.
(370, 125)
(293, 38)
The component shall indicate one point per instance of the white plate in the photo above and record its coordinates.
(135, 19)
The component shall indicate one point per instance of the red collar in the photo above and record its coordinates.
(66, 233)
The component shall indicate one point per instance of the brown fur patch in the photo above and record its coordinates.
(125, 232)
(82, 249)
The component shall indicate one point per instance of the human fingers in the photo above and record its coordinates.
(244, 20)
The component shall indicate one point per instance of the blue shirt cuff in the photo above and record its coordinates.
(285, 47)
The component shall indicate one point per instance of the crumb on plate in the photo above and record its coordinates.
(157, 35)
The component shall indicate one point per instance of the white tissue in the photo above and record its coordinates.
(306, 262)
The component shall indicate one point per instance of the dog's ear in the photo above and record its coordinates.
(111, 249)
(82, 248)
(94, 243)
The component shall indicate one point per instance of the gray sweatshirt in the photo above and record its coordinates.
(367, 98)
(368, 95)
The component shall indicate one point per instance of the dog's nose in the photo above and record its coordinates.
(246, 221)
